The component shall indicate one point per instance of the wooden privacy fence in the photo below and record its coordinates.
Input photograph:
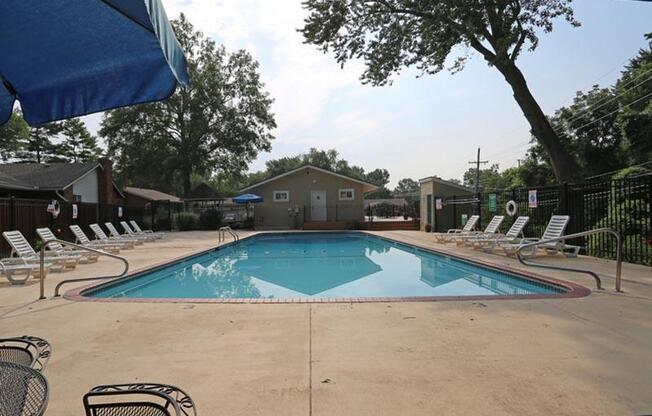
(26, 215)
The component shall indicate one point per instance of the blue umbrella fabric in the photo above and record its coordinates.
(67, 58)
(247, 199)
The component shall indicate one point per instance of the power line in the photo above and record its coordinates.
(611, 113)
(589, 109)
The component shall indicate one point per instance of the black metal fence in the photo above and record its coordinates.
(623, 205)
(26, 215)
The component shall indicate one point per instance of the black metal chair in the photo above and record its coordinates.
(30, 351)
(143, 399)
(23, 390)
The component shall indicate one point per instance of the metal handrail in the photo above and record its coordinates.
(83, 279)
(222, 234)
(619, 255)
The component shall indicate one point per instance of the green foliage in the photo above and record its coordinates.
(325, 159)
(217, 124)
(407, 187)
(187, 221)
(210, 219)
(78, 144)
(390, 35)
(39, 146)
(12, 135)
(633, 231)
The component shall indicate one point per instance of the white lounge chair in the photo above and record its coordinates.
(21, 248)
(47, 235)
(100, 235)
(11, 267)
(81, 238)
(138, 230)
(513, 235)
(132, 234)
(448, 235)
(490, 229)
(555, 229)
(115, 234)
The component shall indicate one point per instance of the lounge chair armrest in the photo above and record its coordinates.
(175, 400)
(454, 231)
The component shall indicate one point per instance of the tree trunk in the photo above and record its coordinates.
(562, 163)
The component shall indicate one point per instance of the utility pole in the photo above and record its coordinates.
(477, 163)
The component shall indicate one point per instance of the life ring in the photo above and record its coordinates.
(510, 208)
(54, 208)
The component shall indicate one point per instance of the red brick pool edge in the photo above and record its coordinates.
(571, 290)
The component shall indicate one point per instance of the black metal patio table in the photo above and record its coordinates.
(23, 390)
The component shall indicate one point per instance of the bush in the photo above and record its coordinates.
(187, 221)
(210, 219)
(428, 228)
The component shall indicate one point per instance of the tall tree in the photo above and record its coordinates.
(406, 186)
(219, 123)
(13, 135)
(391, 34)
(38, 146)
(78, 144)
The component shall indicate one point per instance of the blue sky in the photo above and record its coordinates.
(419, 126)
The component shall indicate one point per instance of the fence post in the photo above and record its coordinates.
(563, 199)
(12, 209)
(170, 213)
(454, 213)
(335, 212)
(152, 208)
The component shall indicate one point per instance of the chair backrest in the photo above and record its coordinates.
(127, 228)
(136, 227)
(556, 227)
(46, 235)
(27, 350)
(143, 399)
(98, 231)
(19, 244)
(494, 224)
(470, 223)
(24, 390)
(79, 234)
(517, 228)
(112, 230)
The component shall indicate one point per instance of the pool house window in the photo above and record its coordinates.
(281, 196)
(347, 194)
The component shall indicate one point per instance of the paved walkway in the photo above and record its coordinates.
(586, 356)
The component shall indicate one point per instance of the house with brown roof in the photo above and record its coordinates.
(309, 197)
(90, 182)
(140, 197)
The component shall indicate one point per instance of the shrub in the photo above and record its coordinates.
(428, 228)
(210, 219)
(187, 221)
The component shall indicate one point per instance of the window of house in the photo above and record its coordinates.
(281, 196)
(347, 194)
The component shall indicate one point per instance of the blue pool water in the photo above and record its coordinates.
(321, 265)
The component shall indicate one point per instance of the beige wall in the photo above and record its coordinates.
(270, 214)
(436, 190)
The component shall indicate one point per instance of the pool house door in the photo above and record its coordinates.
(318, 205)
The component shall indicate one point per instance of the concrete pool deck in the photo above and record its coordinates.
(581, 356)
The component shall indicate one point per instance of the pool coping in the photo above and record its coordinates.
(571, 289)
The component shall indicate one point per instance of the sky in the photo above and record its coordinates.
(419, 126)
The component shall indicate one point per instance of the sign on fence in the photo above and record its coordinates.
(532, 198)
(438, 204)
(74, 211)
(119, 212)
(465, 218)
(492, 202)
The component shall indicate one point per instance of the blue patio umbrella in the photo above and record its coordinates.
(66, 58)
(247, 199)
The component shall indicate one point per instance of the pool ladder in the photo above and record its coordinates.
(42, 262)
(221, 236)
(619, 255)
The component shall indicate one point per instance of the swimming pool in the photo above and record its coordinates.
(322, 266)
